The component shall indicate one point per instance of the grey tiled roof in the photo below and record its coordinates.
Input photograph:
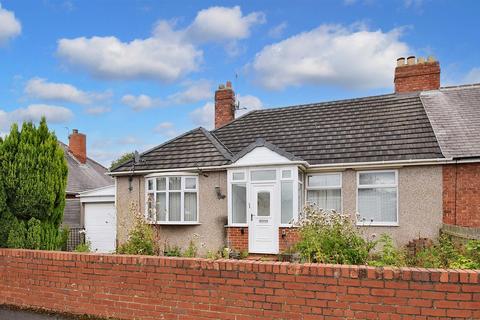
(196, 148)
(455, 116)
(379, 128)
(84, 176)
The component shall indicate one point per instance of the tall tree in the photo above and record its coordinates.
(35, 177)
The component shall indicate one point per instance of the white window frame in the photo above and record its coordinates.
(247, 182)
(182, 192)
(340, 186)
(375, 186)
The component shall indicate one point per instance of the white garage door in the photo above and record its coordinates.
(101, 226)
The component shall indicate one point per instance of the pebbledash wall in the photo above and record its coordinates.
(140, 287)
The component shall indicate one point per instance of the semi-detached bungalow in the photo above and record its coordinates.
(406, 164)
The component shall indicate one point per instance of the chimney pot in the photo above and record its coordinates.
(224, 105)
(411, 60)
(421, 60)
(400, 62)
(77, 145)
(431, 59)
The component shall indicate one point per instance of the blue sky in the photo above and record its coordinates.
(132, 74)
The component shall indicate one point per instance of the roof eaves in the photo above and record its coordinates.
(155, 148)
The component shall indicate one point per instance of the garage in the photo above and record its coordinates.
(99, 215)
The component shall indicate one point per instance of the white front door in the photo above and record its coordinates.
(262, 228)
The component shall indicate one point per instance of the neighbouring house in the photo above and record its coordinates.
(84, 174)
(406, 164)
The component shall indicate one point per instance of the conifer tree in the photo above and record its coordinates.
(34, 172)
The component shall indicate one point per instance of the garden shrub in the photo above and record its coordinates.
(389, 255)
(192, 250)
(84, 247)
(140, 238)
(172, 251)
(16, 236)
(34, 234)
(331, 237)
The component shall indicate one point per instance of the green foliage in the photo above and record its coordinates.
(191, 251)
(16, 236)
(34, 234)
(32, 189)
(444, 254)
(83, 247)
(331, 237)
(63, 238)
(389, 255)
(140, 239)
(123, 158)
(173, 251)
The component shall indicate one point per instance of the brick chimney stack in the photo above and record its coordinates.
(224, 105)
(417, 74)
(77, 145)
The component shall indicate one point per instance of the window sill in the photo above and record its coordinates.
(175, 223)
(236, 226)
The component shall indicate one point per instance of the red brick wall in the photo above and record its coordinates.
(136, 287)
(238, 241)
(417, 77)
(461, 194)
(224, 105)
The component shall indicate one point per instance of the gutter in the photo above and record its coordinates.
(347, 165)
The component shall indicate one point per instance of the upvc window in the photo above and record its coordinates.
(286, 196)
(377, 198)
(172, 199)
(325, 190)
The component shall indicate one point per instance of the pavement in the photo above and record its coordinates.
(6, 314)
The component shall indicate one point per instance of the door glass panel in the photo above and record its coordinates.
(263, 203)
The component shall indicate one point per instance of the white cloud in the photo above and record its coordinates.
(164, 56)
(167, 55)
(96, 110)
(277, 31)
(129, 140)
(217, 24)
(139, 102)
(34, 112)
(10, 27)
(193, 91)
(331, 55)
(166, 129)
(42, 89)
(205, 115)
(473, 76)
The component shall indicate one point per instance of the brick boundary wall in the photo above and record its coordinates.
(237, 240)
(140, 287)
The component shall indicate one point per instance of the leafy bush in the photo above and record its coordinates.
(192, 250)
(389, 255)
(140, 239)
(34, 234)
(174, 251)
(331, 237)
(442, 254)
(16, 236)
(84, 247)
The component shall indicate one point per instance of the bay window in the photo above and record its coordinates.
(172, 199)
(325, 190)
(377, 198)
